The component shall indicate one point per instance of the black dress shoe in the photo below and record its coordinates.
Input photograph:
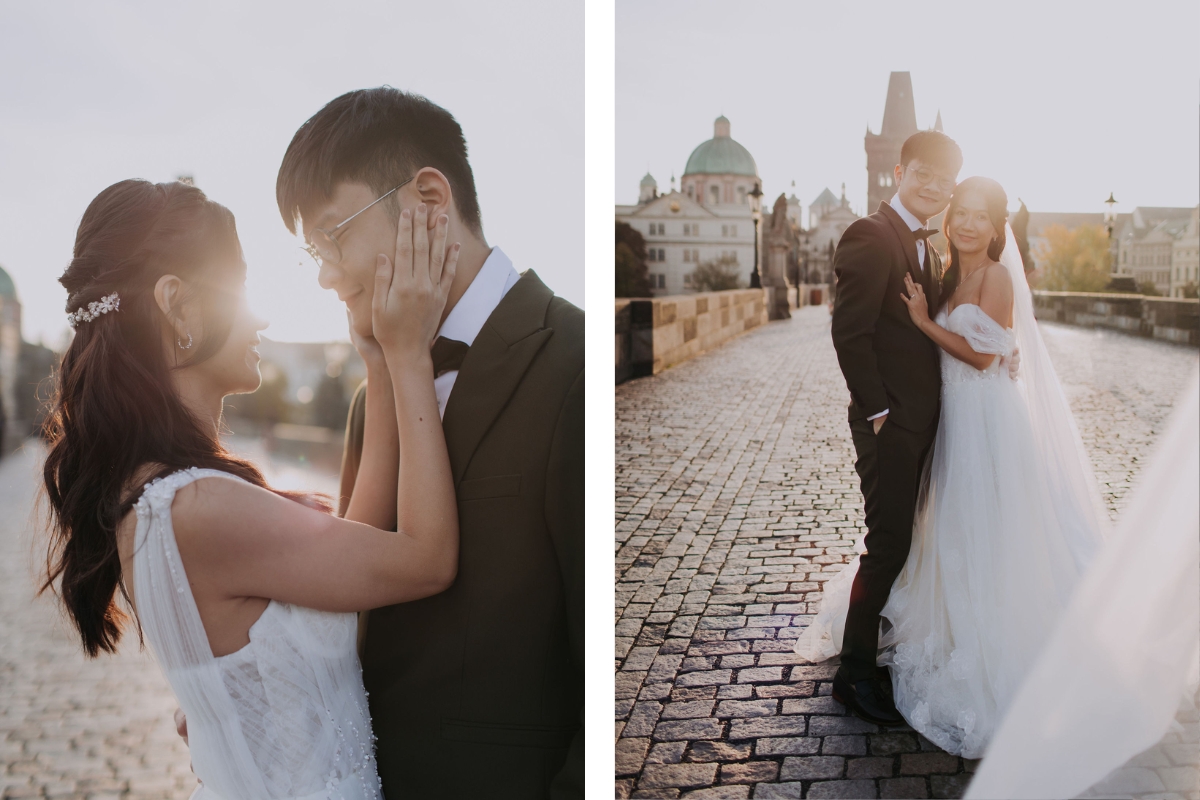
(865, 699)
(884, 678)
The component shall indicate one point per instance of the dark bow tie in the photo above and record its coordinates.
(924, 233)
(448, 355)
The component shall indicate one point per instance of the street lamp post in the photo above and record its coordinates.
(1110, 224)
(754, 194)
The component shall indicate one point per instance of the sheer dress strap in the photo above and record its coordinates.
(982, 333)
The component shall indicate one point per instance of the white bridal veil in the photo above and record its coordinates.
(1124, 656)
(1068, 464)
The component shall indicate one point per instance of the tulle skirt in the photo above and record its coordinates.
(998, 546)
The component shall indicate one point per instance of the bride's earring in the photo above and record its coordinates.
(183, 346)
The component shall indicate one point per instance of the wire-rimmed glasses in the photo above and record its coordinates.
(323, 244)
(924, 175)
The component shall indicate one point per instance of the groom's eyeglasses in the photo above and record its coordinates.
(323, 244)
(924, 175)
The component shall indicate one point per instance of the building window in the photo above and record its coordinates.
(733, 230)
(687, 256)
(724, 230)
(662, 281)
(696, 256)
(691, 194)
(687, 280)
(741, 194)
(716, 194)
(662, 254)
(651, 255)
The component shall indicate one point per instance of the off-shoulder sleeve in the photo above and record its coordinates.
(983, 333)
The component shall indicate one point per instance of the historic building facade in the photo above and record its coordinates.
(1146, 245)
(712, 216)
(1185, 259)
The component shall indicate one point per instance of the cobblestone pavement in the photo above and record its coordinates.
(736, 498)
(71, 727)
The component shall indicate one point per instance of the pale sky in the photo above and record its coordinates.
(1060, 102)
(96, 92)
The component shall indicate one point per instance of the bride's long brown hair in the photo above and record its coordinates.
(114, 409)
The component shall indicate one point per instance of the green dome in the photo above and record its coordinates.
(721, 155)
(648, 180)
(7, 287)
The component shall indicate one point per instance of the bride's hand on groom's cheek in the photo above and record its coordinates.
(411, 289)
(367, 346)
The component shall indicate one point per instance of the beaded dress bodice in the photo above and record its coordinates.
(283, 717)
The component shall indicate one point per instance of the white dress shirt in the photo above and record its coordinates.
(465, 320)
(913, 224)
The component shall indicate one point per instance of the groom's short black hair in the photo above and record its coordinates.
(379, 137)
(934, 148)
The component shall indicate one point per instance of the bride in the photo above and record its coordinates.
(245, 594)
(1009, 516)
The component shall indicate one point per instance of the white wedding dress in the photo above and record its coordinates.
(1007, 523)
(284, 717)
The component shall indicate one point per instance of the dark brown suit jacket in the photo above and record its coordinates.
(478, 691)
(886, 360)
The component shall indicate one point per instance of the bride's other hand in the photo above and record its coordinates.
(181, 724)
(918, 307)
(1014, 363)
(367, 346)
(411, 291)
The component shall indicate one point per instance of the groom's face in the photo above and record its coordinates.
(924, 188)
(361, 241)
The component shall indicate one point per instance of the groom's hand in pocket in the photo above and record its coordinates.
(878, 423)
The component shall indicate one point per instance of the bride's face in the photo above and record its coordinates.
(970, 226)
(233, 369)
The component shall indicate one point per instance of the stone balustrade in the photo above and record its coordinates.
(1167, 318)
(655, 333)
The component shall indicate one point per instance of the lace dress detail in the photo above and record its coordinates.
(997, 548)
(286, 716)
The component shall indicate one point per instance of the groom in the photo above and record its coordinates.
(894, 376)
(478, 691)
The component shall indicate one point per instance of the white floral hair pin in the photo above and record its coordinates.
(94, 309)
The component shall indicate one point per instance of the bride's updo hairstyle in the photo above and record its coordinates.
(114, 410)
(997, 206)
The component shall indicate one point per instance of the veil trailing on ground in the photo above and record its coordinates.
(1125, 654)
(1069, 467)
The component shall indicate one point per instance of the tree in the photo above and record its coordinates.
(718, 275)
(1190, 290)
(633, 279)
(1074, 260)
(1149, 289)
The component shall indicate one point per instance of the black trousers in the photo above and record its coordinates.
(889, 467)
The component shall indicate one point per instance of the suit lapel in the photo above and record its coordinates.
(904, 238)
(494, 366)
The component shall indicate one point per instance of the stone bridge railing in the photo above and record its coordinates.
(655, 333)
(1169, 319)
